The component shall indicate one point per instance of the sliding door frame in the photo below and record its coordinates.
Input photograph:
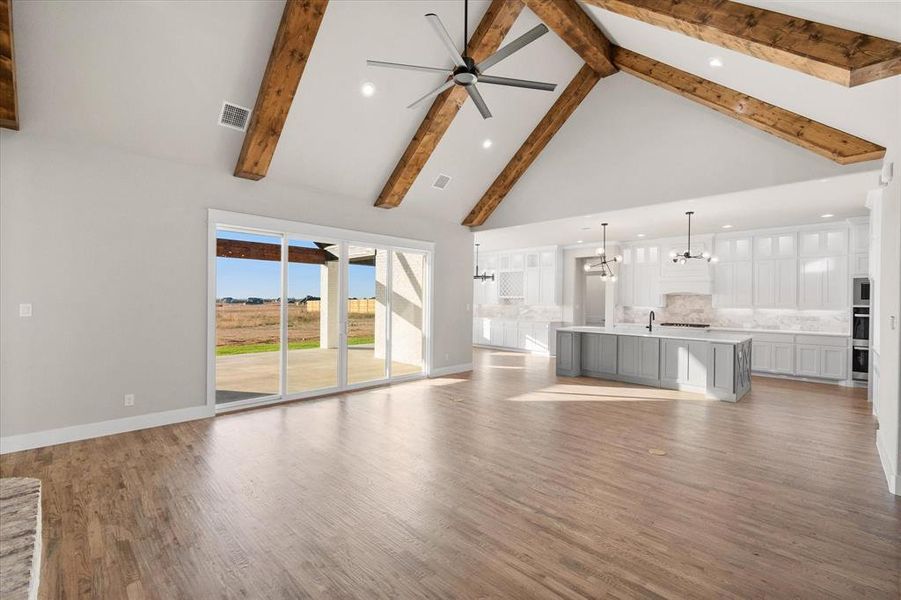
(292, 230)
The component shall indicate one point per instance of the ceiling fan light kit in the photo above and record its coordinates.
(466, 73)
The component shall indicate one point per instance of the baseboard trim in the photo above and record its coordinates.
(450, 370)
(63, 435)
(890, 477)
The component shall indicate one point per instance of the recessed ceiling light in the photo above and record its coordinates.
(579, 241)
(727, 226)
(640, 235)
(715, 62)
(487, 144)
(367, 89)
(827, 216)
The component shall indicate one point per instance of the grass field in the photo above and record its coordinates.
(244, 329)
(273, 347)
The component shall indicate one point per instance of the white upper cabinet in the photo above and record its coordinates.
(824, 242)
(639, 279)
(859, 253)
(775, 271)
(732, 284)
(781, 245)
(733, 275)
(733, 248)
(776, 283)
(530, 277)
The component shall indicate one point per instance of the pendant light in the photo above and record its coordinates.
(684, 257)
(606, 266)
(483, 277)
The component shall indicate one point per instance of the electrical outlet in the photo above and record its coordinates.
(129, 399)
(24, 310)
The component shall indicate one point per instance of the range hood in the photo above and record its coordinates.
(686, 286)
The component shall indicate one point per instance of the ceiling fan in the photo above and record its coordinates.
(466, 72)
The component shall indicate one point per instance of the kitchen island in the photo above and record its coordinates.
(717, 364)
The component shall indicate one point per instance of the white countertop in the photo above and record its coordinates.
(784, 331)
(698, 335)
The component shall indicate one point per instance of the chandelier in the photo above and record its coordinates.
(605, 264)
(483, 277)
(683, 257)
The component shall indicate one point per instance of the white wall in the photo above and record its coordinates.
(111, 250)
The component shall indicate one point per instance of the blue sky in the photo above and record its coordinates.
(242, 278)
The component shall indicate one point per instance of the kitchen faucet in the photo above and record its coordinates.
(651, 318)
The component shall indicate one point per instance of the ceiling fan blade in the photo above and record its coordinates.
(445, 37)
(394, 65)
(479, 101)
(446, 85)
(517, 44)
(522, 83)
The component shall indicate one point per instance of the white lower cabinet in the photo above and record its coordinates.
(533, 336)
(773, 353)
(814, 356)
(823, 357)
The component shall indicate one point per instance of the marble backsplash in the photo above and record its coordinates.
(518, 312)
(689, 308)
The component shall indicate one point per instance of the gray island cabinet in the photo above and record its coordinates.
(713, 363)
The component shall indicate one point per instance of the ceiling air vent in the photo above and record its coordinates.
(441, 182)
(234, 116)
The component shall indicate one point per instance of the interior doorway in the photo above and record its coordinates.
(595, 299)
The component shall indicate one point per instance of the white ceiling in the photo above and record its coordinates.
(793, 204)
(149, 77)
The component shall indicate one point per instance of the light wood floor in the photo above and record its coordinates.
(510, 484)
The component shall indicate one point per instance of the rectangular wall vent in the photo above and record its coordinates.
(234, 116)
(441, 182)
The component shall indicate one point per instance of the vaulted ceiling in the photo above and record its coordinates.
(151, 77)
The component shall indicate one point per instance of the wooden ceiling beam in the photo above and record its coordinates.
(826, 141)
(290, 51)
(492, 30)
(9, 104)
(566, 104)
(567, 19)
(273, 252)
(832, 53)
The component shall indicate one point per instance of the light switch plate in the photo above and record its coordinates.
(24, 310)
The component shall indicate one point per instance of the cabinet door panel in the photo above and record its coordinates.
(786, 283)
(810, 286)
(808, 360)
(765, 283)
(533, 286)
(697, 363)
(784, 358)
(608, 353)
(674, 367)
(835, 290)
(628, 356)
(742, 288)
(761, 356)
(649, 358)
(591, 353)
(834, 363)
(565, 351)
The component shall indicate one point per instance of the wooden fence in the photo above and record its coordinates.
(365, 306)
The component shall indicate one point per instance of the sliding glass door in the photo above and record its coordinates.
(313, 322)
(300, 314)
(248, 315)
